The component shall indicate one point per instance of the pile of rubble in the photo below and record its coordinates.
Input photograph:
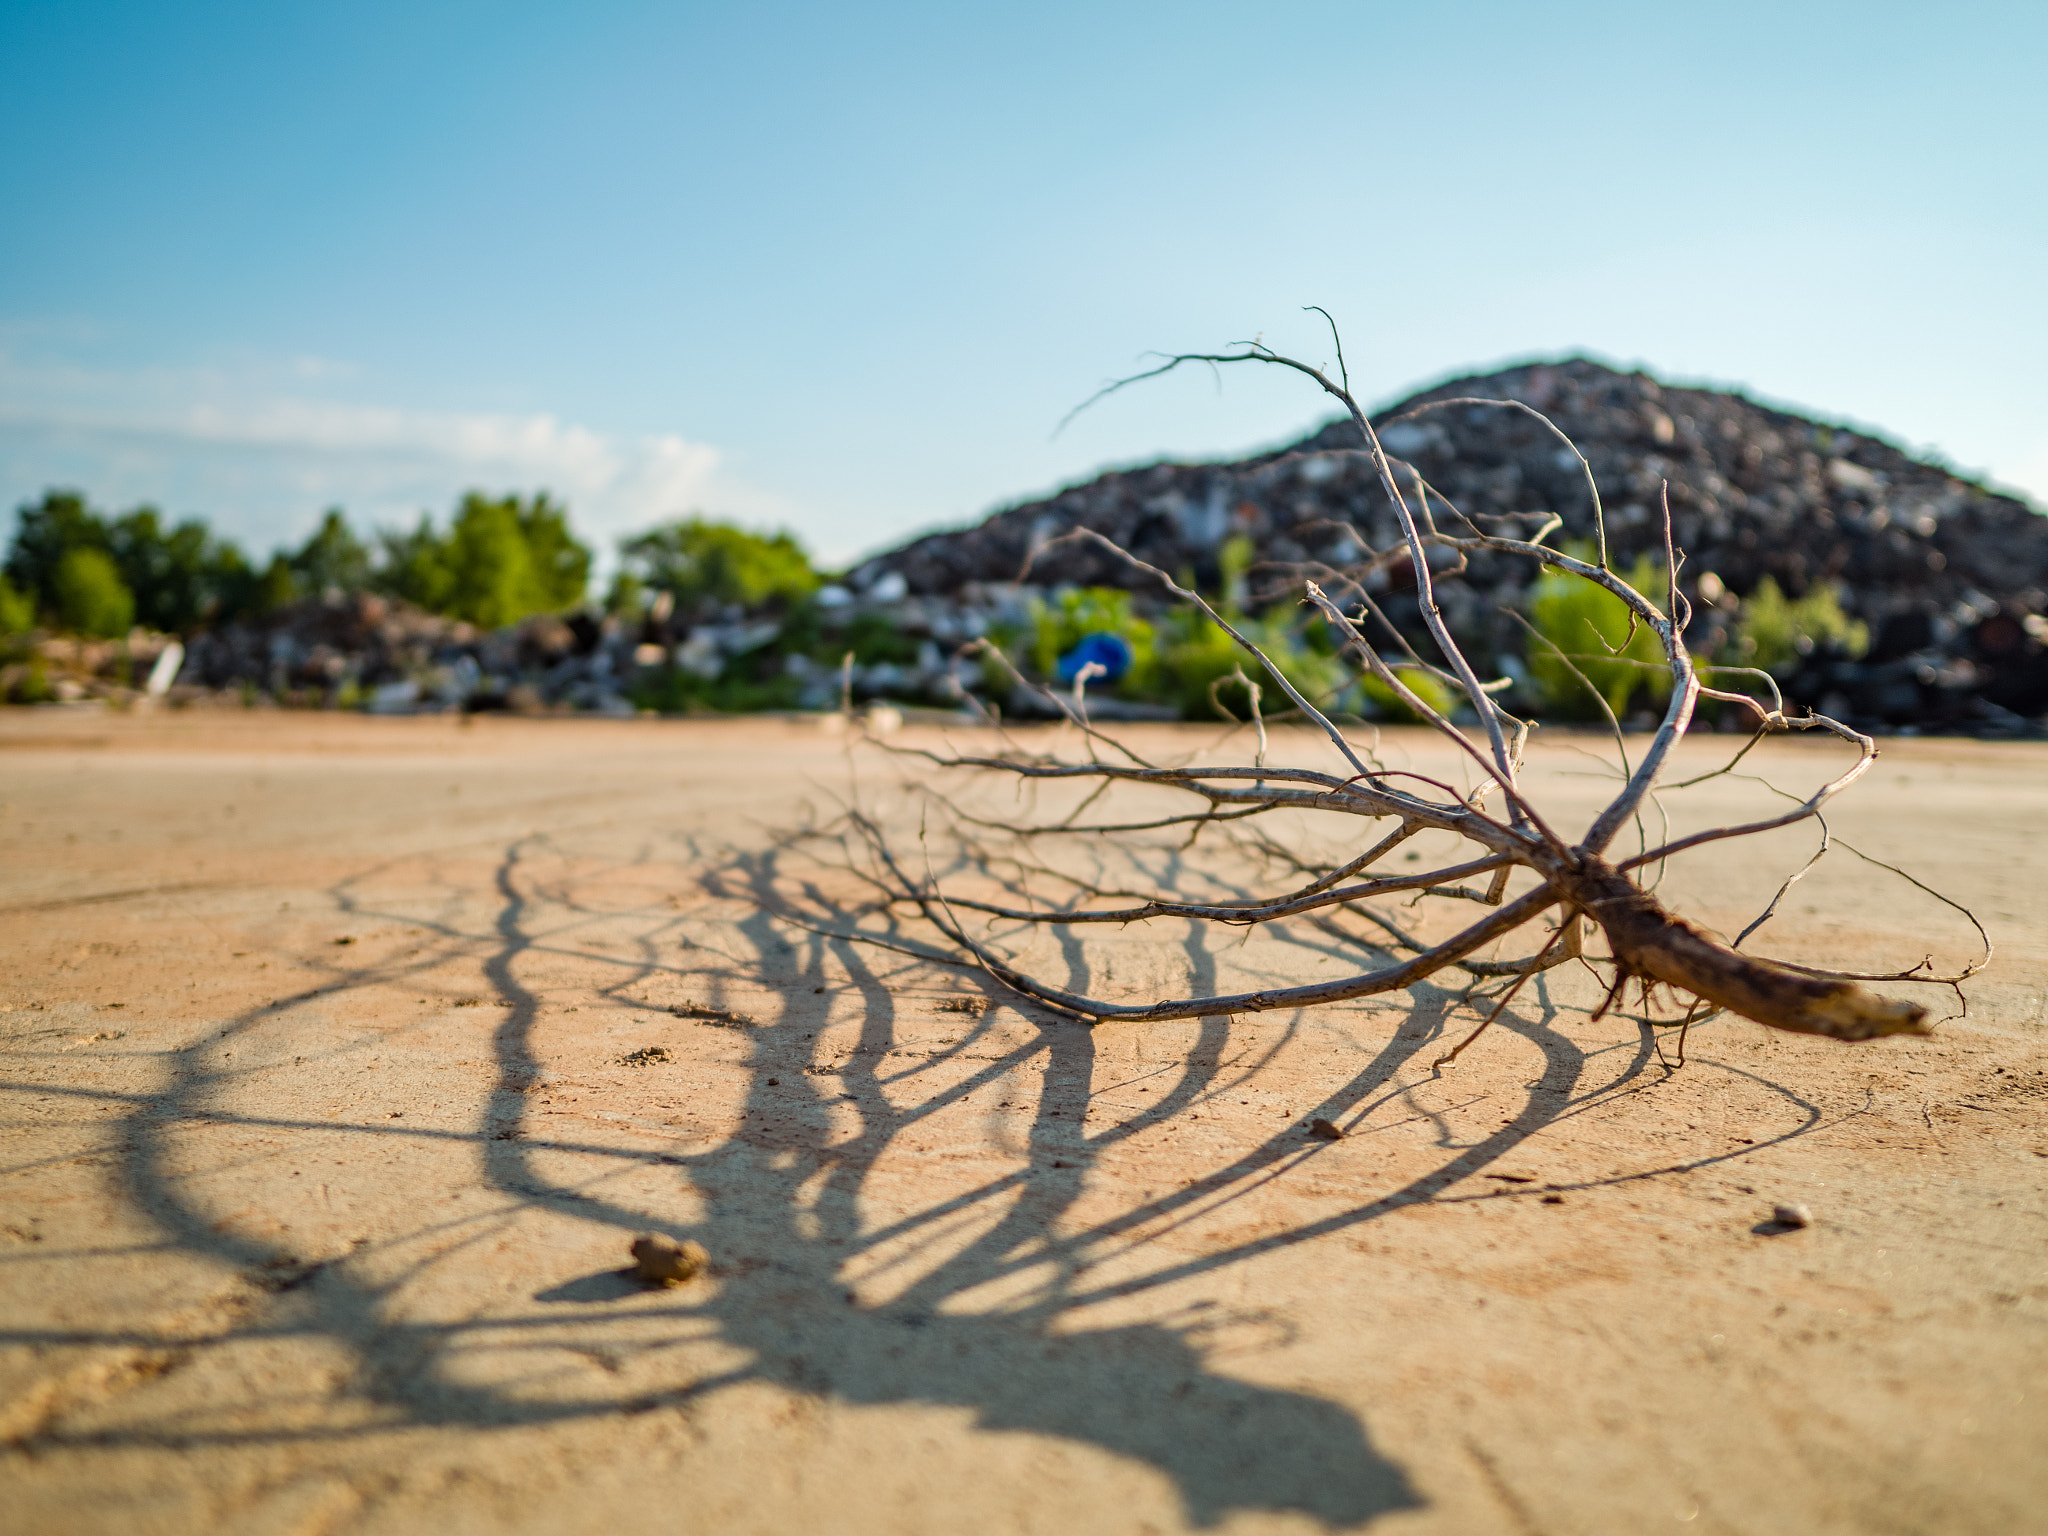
(1951, 578)
(363, 651)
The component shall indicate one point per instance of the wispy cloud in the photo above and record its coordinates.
(260, 452)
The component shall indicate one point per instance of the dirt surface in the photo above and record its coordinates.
(346, 1058)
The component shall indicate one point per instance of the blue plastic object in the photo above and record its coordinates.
(1112, 653)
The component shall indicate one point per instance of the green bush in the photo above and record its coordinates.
(1426, 686)
(1773, 632)
(674, 691)
(1197, 653)
(1593, 630)
(91, 597)
(709, 565)
(1076, 612)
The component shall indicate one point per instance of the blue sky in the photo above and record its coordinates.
(844, 268)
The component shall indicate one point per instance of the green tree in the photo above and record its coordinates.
(182, 576)
(44, 533)
(501, 560)
(333, 559)
(91, 597)
(413, 567)
(706, 564)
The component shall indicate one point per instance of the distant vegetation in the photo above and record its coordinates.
(705, 566)
(738, 620)
(75, 570)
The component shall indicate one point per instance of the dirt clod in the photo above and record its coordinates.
(646, 1056)
(1792, 1215)
(659, 1260)
(1325, 1130)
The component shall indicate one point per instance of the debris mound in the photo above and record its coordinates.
(1950, 577)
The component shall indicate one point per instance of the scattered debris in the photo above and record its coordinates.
(1792, 1216)
(973, 1005)
(659, 1260)
(724, 1016)
(646, 1056)
(1325, 1130)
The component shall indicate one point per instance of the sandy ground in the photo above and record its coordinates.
(344, 1059)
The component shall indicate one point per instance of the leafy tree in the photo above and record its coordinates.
(176, 578)
(181, 577)
(706, 564)
(413, 567)
(44, 533)
(507, 558)
(91, 597)
(333, 559)
(500, 561)
(278, 585)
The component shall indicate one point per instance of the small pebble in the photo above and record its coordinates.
(659, 1260)
(1792, 1215)
(1323, 1130)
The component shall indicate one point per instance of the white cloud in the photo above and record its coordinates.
(260, 455)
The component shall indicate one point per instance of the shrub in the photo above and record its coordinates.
(1074, 612)
(17, 609)
(1579, 623)
(1199, 653)
(1426, 686)
(1773, 632)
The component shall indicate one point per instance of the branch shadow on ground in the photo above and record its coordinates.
(787, 1196)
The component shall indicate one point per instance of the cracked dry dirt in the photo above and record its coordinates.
(345, 1057)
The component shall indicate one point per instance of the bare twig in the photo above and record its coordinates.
(1644, 941)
